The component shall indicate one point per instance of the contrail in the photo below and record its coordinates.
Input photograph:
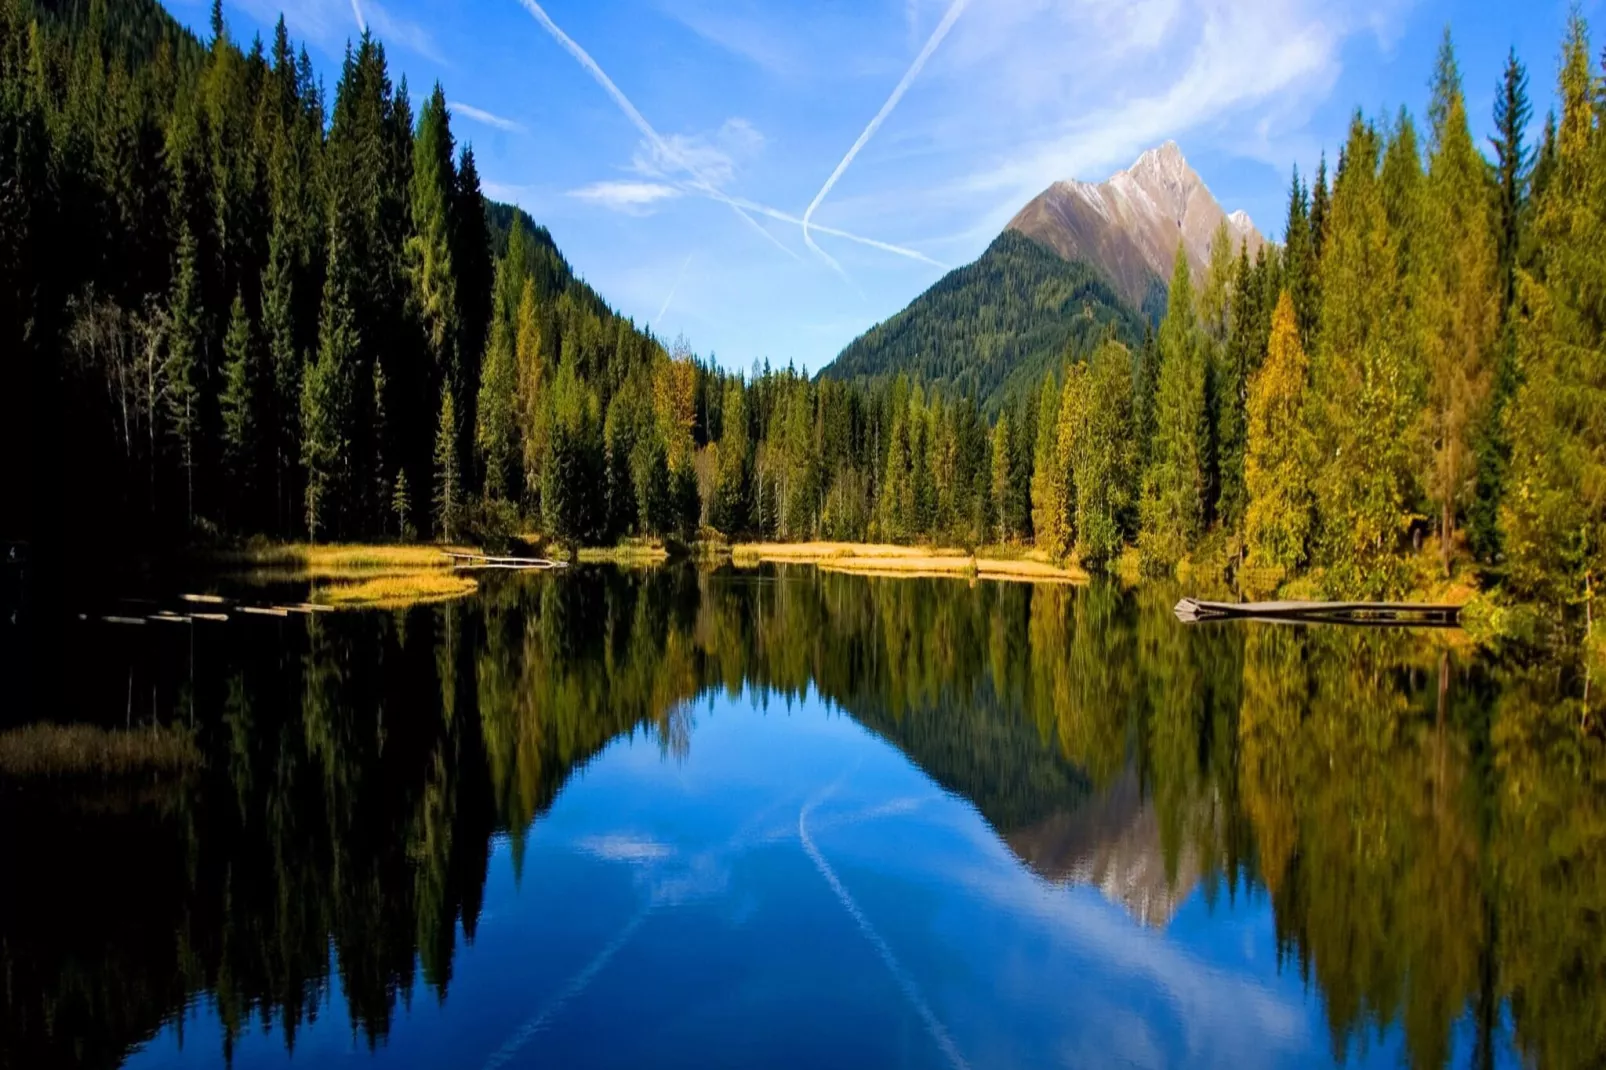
(362, 23)
(577, 984)
(934, 1027)
(902, 87)
(888, 247)
(701, 183)
(665, 306)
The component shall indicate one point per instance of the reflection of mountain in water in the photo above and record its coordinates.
(1112, 842)
(356, 767)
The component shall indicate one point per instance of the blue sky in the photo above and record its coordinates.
(680, 193)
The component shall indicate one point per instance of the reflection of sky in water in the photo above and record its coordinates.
(669, 913)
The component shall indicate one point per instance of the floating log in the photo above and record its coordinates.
(265, 611)
(124, 620)
(488, 561)
(1193, 610)
(210, 599)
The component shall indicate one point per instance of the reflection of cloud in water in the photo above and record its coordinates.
(1219, 1013)
(621, 847)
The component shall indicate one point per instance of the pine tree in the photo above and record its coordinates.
(729, 511)
(1050, 505)
(1103, 455)
(1173, 489)
(1512, 161)
(429, 245)
(1492, 446)
(401, 507)
(182, 370)
(1554, 514)
(1003, 473)
(448, 473)
(1318, 211)
(1279, 453)
(284, 372)
(471, 261)
(1457, 299)
(1365, 383)
(239, 404)
(496, 433)
(1239, 358)
(1300, 273)
(327, 399)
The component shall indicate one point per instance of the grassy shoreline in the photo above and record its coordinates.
(880, 559)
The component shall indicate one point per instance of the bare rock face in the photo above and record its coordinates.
(1129, 226)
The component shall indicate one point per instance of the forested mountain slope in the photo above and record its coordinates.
(990, 330)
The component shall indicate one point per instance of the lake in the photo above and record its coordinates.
(783, 817)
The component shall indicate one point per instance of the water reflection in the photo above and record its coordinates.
(1427, 828)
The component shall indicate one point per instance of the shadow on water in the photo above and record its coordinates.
(1429, 826)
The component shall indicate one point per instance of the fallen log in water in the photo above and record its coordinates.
(488, 561)
(1193, 610)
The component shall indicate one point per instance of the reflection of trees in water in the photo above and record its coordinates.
(1431, 830)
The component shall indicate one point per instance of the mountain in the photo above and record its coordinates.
(990, 329)
(1128, 226)
(1079, 261)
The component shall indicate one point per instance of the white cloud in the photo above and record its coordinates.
(480, 115)
(716, 157)
(631, 198)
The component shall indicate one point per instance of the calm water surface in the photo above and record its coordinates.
(787, 818)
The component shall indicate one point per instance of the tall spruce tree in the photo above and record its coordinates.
(1365, 380)
(1457, 299)
(183, 370)
(241, 416)
(1050, 504)
(448, 498)
(1173, 488)
(1103, 456)
(1554, 514)
(1491, 444)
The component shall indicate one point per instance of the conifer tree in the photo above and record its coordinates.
(401, 507)
(1299, 261)
(1554, 514)
(1366, 386)
(1103, 455)
(182, 370)
(448, 473)
(429, 246)
(283, 407)
(1050, 508)
(496, 432)
(1003, 473)
(1238, 361)
(327, 390)
(239, 403)
(1279, 453)
(1491, 444)
(1318, 212)
(1457, 298)
(1173, 488)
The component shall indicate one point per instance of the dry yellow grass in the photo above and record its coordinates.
(626, 554)
(80, 749)
(396, 591)
(912, 561)
(326, 560)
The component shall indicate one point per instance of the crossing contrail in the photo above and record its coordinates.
(888, 247)
(665, 306)
(362, 23)
(700, 181)
(898, 91)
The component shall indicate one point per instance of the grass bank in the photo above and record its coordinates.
(396, 591)
(874, 559)
(86, 750)
(320, 560)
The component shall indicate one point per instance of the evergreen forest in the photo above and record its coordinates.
(241, 304)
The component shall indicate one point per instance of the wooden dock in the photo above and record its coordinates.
(1414, 614)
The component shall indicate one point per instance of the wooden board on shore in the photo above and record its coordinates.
(1192, 610)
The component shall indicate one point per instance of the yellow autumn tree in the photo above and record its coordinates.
(1279, 459)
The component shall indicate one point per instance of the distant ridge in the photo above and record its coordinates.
(1080, 262)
